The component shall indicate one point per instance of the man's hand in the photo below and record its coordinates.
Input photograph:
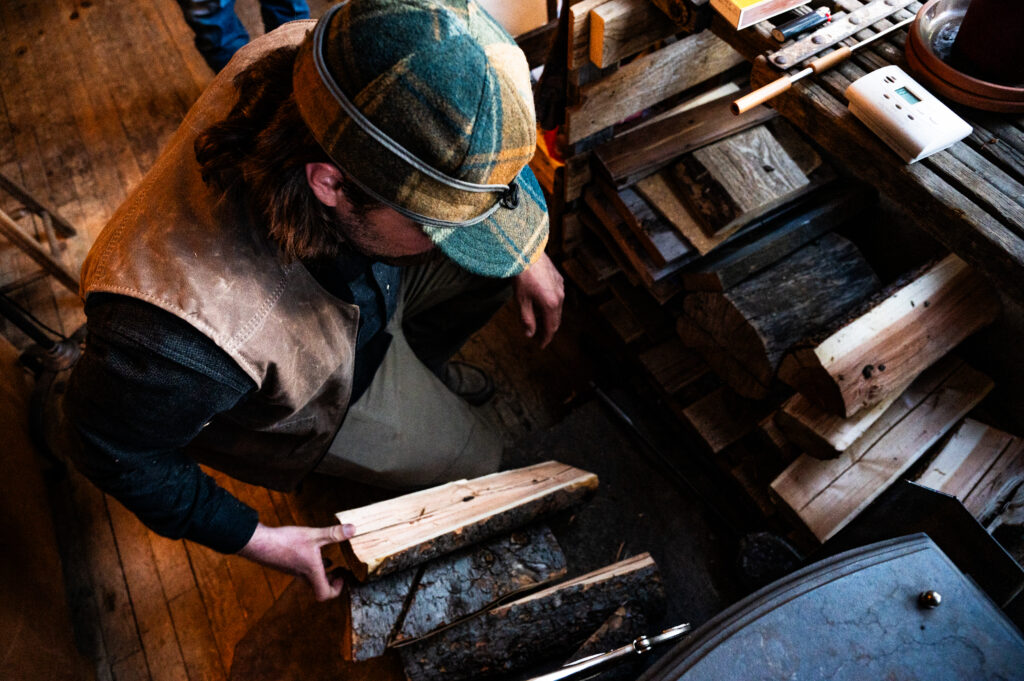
(540, 291)
(296, 550)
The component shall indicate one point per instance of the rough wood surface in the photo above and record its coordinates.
(413, 603)
(529, 629)
(734, 262)
(657, 189)
(965, 458)
(662, 242)
(637, 153)
(1002, 480)
(722, 362)
(723, 417)
(579, 33)
(866, 358)
(758, 320)
(624, 625)
(648, 80)
(672, 366)
(827, 495)
(736, 179)
(822, 434)
(621, 28)
(412, 529)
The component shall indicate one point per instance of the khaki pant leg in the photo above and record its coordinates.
(408, 430)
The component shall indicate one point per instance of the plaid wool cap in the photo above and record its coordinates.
(427, 105)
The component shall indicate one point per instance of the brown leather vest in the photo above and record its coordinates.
(172, 245)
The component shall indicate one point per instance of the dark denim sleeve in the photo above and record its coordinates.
(143, 389)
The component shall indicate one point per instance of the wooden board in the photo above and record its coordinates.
(648, 80)
(827, 495)
(412, 529)
(871, 353)
(672, 366)
(659, 239)
(579, 33)
(742, 258)
(965, 458)
(634, 154)
(737, 179)
(511, 636)
(723, 417)
(1002, 480)
(621, 28)
(415, 602)
(659, 192)
(824, 435)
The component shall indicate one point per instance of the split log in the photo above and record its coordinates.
(824, 435)
(758, 320)
(412, 529)
(622, 321)
(722, 363)
(864, 359)
(657, 189)
(827, 495)
(638, 153)
(966, 458)
(647, 80)
(522, 632)
(583, 278)
(672, 366)
(621, 28)
(743, 257)
(413, 603)
(1000, 483)
(624, 626)
(724, 418)
(730, 182)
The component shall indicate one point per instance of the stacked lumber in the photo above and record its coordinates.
(462, 582)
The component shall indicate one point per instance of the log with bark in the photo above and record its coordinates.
(758, 320)
(412, 529)
(625, 625)
(406, 605)
(534, 627)
(870, 354)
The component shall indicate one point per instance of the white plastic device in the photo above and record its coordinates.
(906, 116)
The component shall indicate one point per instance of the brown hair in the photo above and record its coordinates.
(257, 157)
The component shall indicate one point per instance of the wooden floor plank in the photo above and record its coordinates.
(153, 618)
(131, 668)
(198, 645)
(225, 612)
(172, 565)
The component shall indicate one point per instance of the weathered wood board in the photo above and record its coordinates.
(827, 495)
(1002, 481)
(737, 179)
(526, 630)
(872, 353)
(634, 154)
(415, 602)
(723, 417)
(648, 80)
(659, 239)
(412, 529)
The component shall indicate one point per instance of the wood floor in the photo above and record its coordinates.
(89, 92)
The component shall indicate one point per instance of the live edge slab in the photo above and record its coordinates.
(969, 197)
(412, 529)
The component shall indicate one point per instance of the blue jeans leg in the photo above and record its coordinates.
(277, 12)
(219, 33)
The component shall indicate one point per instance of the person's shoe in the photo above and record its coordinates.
(469, 382)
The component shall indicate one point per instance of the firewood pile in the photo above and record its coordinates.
(717, 250)
(462, 582)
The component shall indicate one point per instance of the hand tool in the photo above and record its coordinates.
(777, 87)
(639, 646)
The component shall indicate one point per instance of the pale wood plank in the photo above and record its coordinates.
(579, 32)
(965, 458)
(831, 508)
(1004, 476)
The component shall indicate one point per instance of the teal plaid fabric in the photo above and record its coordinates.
(427, 105)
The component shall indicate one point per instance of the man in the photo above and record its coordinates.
(218, 31)
(245, 304)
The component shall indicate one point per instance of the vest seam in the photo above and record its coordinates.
(257, 319)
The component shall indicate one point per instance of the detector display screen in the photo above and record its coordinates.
(908, 95)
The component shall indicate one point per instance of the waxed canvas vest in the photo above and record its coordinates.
(173, 245)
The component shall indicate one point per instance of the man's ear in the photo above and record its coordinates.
(325, 180)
